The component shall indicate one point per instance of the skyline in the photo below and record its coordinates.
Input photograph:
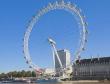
(16, 14)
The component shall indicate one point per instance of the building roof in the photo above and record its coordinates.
(63, 50)
(93, 60)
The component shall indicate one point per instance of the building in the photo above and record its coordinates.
(64, 56)
(92, 69)
(49, 71)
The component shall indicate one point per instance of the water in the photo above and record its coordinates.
(64, 83)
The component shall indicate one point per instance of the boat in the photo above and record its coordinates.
(48, 80)
(16, 80)
(6, 81)
(21, 80)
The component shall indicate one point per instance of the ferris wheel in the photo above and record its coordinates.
(60, 5)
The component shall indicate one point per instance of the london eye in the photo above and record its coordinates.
(60, 5)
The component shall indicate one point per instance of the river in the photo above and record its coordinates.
(64, 83)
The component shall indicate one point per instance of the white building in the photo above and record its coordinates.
(64, 56)
(49, 71)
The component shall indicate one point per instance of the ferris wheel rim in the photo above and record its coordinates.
(57, 5)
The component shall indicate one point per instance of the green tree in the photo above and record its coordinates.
(33, 74)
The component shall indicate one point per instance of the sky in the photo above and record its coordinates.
(58, 24)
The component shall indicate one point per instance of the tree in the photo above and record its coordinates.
(33, 74)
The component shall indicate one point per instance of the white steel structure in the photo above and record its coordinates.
(61, 5)
(61, 60)
(55, 53)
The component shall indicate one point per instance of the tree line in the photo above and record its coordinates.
(15, 74)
